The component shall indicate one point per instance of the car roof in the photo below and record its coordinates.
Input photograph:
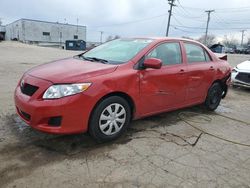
(162, 38)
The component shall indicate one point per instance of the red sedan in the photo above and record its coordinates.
(102, 90)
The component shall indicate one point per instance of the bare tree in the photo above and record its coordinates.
(109, 38)
(211, 39)
(117, 37)
(186, 37)
(248, 41)
(230, 41)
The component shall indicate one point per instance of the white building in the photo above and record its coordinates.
(43, 32)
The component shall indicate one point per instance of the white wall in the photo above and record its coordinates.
(14, 30)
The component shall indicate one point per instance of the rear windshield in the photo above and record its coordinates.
(118, 51)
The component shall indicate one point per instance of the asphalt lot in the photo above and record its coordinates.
(167, 150)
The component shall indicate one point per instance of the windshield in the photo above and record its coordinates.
(118, 51)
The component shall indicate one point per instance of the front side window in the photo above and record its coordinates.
(169, 53)
(118, 51)
(196, 53)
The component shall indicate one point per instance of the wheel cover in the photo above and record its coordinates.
(112, 119)
(215, 96)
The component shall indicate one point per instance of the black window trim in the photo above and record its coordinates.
(205, 52)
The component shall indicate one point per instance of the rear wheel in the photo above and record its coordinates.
(214, 97)
(109, 119)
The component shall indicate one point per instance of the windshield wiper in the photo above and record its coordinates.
(94, 59)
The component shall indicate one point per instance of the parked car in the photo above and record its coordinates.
(102, 90)
(241, 74)
(246, 51)
(229, 50)
(239, 50)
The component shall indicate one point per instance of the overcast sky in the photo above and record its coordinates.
(136, 17)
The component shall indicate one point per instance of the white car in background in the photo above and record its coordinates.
(241, 74)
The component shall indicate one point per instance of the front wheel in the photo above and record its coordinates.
(109, 119)
(214, 96)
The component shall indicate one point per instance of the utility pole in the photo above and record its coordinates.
(208, 20)
(171, 3)
(242, 36)
(77, 20)
(101, 36)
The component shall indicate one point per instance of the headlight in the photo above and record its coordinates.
(59, 91)
(234, 70)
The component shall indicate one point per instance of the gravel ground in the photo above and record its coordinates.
(167, 150)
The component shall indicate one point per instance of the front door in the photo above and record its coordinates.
(165, 88)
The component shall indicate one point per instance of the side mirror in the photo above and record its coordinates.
(153, 63)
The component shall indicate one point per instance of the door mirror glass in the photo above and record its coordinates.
(153, 63)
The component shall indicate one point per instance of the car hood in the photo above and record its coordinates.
(70, 70)
(244, 66)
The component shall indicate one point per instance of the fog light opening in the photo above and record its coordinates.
(55, 121)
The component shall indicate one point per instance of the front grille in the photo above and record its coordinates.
(28, 89)
(244, 77)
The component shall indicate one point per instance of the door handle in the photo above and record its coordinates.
(181, 71)
(211, 68)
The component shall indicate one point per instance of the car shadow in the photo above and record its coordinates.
(73, 144)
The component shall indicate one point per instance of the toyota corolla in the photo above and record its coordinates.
(102, 90)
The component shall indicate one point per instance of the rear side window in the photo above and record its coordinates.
(196, 53)
(169, 53)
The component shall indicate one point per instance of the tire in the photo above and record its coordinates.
(214, 96)
(109, 119)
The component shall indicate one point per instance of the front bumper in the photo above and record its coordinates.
(60, 116)
(240, 78)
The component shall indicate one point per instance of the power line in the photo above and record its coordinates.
(188, 18)
(184, 31)
(188, 13)
(132, 22)
(238, 9)
(213, 28)
(229, 22)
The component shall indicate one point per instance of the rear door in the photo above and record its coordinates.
(200, 72)
(163, 88)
